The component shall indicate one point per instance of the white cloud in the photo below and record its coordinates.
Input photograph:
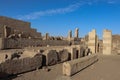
(68, 9)
(35, 15)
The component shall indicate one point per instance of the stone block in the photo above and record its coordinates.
(92, 41)
(74, 66)
(63, 55)
(107, 42)
(73, 52)
(50, 57)
(21, 65)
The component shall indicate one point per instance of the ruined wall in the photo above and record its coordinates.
(92, 41)
(1, 30)
(107, 42)
(21, 43)
(116, 44)
(18, 26)
(21, 65)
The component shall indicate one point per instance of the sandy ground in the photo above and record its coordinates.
(107, 68)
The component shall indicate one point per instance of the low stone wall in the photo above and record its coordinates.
(74, 66)
(21, 43)
(20, 65)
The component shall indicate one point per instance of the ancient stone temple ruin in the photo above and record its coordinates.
(34, 50)
(19, 34)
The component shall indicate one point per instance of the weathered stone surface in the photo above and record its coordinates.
(87, 52)
(21, 65)
(63, 55)
(70, 35)
(92, 41)
(76, 33)
(107, 42)
(73, 52)
(50, 57)
(74, 66)
(82, 52)
(1, 43)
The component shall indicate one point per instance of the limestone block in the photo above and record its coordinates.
(107, 42)
(21, 65)
(74, 66)
(51, 57)
(63, 55)
(92, 41)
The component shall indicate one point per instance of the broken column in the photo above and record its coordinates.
(107, 42)
(46, 36)
(92, 41)
(76, 33)
(5, 31)
(69, 35)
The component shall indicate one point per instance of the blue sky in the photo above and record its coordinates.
(57, 17)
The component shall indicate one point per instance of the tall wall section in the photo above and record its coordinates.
(92, 41)
(107, 42)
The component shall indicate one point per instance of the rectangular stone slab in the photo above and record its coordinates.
(74, 66)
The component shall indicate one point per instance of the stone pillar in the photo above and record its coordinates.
(92, 41)
(97, 44)
(46, 36)
(76, 33)
(5, 31)
(107, 42)
(72, 50)
(69, 35)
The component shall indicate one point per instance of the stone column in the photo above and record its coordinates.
(92, 41)
(5, 31)
(46, 36)
(69, 35)
(107, 42)
(76, 33)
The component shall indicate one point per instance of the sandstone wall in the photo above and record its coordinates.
(20, 65)
(21, 43)
(107, 42)
(91, 41)
(18, 26)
